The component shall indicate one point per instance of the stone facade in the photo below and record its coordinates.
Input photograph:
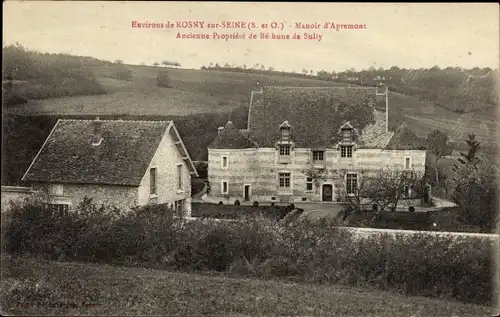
(168, 162)
(14, 194)
(122, 197)
(156, 174)
(259, 169)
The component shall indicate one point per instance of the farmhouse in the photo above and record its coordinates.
(115, 162)
(308, 144)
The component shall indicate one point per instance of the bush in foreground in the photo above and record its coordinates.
(306, 251)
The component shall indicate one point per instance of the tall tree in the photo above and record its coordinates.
(439, 145)
(470, 158)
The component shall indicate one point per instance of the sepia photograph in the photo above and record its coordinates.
(203, 158)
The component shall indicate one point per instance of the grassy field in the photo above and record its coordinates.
(192, 92)
(36, 287)
(202, 91)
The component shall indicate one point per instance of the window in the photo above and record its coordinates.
(224, 188)
(318, 155)
(224, 162)
(309, 183)
(346, 151)
(351, 183)
(180, 182)
(179, 205)
(284, 180)
(59, 209)
(347, 135)
(407, 163)
(152, 181)
(284, 149)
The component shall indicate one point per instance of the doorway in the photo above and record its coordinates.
(327, 192)
(246, 193)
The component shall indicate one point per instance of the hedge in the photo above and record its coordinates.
(312, 252)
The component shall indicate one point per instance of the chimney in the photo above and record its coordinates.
(97, 133)
(220, 129)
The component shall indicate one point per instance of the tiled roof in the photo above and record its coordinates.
(122, 157)
(231, 138)
(405, 139)
(314, 113)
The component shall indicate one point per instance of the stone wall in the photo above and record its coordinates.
(14, 194)
(122, 197)
(260, 168)
(166, 160)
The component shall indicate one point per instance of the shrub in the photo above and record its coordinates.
(163, 80)
(255, 204)
(273, 204)
(236, 202)
(292, 206)
(319, 252)
(221, 203)
(411, 209)
(122, 72)
(374, 207)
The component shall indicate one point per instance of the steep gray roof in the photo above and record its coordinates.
(314, 113)
(122, 158)
(231, 138)
(405, 139)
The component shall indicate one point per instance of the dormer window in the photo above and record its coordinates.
(285, 130)
(347, 135)
(347, 132)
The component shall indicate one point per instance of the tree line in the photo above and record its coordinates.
(456, 88)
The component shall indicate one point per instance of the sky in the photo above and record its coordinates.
(405, 35)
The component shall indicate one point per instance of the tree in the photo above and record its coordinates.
(388, 186)
(469, 158)
(156, 64)
(118, 61)
(171, 63)
(439, 145)
(476, 192)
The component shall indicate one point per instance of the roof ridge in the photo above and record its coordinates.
(115, 120)
(319, 87)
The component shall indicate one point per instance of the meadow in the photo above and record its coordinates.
(70, 288)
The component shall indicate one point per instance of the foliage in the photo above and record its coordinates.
(439, 145)
(171, 63)
(457, 89)
(121, 72)
(476, 191)
(42, 75)
(475, 187)
(471, 157)
(163, 79)
(201, 168)
(314, 252)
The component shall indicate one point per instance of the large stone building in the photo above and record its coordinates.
(308, 144)
(114, 162)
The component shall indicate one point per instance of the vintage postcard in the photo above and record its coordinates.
(250, 159)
